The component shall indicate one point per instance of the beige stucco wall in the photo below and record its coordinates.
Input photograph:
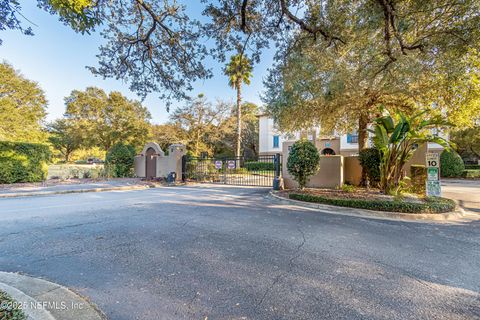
(330, 174)
(139, 164)
(333, 144)
(165, 164)
(352, 170)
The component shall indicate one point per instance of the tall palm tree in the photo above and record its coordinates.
(239, 71)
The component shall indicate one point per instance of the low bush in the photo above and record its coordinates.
(472, 167)
(370, 161)
(451, 164)
(471, 174)
(348, 188)
(431, 205)
(259, 166)
(119, 160)
(23, 162)
(10, 309)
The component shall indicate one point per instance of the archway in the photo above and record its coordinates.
(328, 152)
(151, 164)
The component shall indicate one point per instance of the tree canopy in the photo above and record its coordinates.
(157, 47)
(22, 107)
(406, 55)
(105, 120)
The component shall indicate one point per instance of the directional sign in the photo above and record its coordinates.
(218, 164)
(231, 164)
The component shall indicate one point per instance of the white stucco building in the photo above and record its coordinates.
(271, 139)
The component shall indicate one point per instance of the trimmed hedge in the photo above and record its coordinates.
(471, 174)
(451, 164)
(259, 166)
(472, 167)
(23, 162)
(431, 205)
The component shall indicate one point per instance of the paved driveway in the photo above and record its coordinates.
(227, 253)
(466, 192)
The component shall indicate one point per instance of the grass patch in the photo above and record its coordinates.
(471, 174)
(72, 171)
(9, 308)
(428, 205)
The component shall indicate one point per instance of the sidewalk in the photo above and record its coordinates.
(44, 300)
(72, 186)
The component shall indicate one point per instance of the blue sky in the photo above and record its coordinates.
(56, 57)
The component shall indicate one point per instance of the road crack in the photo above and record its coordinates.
(291, 265)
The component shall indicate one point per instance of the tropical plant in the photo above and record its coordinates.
(397, 137)
(303, 161)
(239, 71)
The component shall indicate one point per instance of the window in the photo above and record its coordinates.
(276, 141)
(352, 138)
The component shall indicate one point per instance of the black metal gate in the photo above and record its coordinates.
(260, 171)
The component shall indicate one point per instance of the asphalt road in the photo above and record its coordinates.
(228, 253)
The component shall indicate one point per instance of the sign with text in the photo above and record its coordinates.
(434, 189)
(433, 160)
(433, 175)
(231, 164)
(218, 164)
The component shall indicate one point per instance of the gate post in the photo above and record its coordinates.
(277, 164)
(184, 168)
(277, 180)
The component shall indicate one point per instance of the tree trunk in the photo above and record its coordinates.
(362, 131)
(239, 118)
(363, 141)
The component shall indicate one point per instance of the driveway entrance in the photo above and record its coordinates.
(259, 171)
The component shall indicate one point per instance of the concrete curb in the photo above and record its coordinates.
(44, 300)
(385, 215)
(48, 193)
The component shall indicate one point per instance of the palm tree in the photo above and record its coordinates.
(239, 71)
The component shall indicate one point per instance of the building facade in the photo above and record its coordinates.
(271, 139)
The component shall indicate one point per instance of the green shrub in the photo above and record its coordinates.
(471, 174)
(418, 176)
(451, 164)
(10, 309)
(23, 162)
(472, 166)
(119, 160)
(370, 161)
(303, 161)
(259, 166)
(431, 205)
(348, 188)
